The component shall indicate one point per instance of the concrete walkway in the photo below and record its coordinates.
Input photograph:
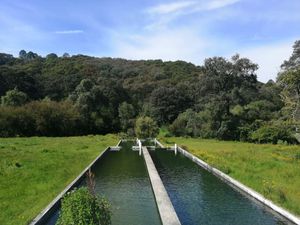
(166, 210)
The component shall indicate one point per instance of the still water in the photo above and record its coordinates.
(122, 178)
(201, 198)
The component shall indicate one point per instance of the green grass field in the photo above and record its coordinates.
(35, 170)
(272, 170)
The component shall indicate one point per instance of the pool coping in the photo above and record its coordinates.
(164, 205)
(239, 186)
(46, 212)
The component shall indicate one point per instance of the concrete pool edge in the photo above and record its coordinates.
(239, 186)
(46, 212)
(165, 208)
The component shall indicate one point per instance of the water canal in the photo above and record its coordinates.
(201, 198)
(123, 179)
(197, 195)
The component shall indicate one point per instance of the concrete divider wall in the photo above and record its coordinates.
(165, 208)
(239, 186)
(46, 213)
(158, 143)
(119, 142)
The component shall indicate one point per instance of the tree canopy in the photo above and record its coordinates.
(220, 99)
(146, 127)
(14, 98)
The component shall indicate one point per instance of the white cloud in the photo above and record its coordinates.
(69, 31)
(179, 44)
(172, 45)
(170, 7)
(210, 5)
(188, 45)
(163, 14)
(187, 7)
(269, 58)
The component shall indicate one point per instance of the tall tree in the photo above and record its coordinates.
(146, 127)
(14, 98)
(126, 114)
(294, 61)
(289, 79)
(51, 56)
(22, 54)
(167, 103)
(66, 55)
(290, 82)
(5, 58)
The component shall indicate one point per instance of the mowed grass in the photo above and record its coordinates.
(272, 170)
(35, 170)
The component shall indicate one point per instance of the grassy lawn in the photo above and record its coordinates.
(34, 170)
(272, 170)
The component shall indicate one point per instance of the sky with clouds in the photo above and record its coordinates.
(190, 30)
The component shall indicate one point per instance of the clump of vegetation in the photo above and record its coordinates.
(146, 127)
(268, 188)
(17, 164)
(297, 156)
(44, 118)
(14, 98)
(282, 195)
(127, 115)
(273, 134)
(81, 207)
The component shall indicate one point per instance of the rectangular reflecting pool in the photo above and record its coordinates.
(122, 178)
(201, 198)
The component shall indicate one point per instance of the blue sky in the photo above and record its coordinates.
(190, 30)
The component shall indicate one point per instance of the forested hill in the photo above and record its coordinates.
(57, 96)
(57, 77)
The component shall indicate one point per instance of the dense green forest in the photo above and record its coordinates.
(76, 95)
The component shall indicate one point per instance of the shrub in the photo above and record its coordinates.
(178, 126)
(14, 98)
(193, 124)
(168, 135)
(273, 133)
(246, 130)
(80, 207)
(228, 130)
(16, 121)
(188, 123)
(146, 127)
(47, 118)
(54, 118)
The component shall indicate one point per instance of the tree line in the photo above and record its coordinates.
(77, 95)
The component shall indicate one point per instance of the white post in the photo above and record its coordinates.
(175, 149)
(140, 147)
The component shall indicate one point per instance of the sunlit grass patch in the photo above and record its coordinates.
(34, 170)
